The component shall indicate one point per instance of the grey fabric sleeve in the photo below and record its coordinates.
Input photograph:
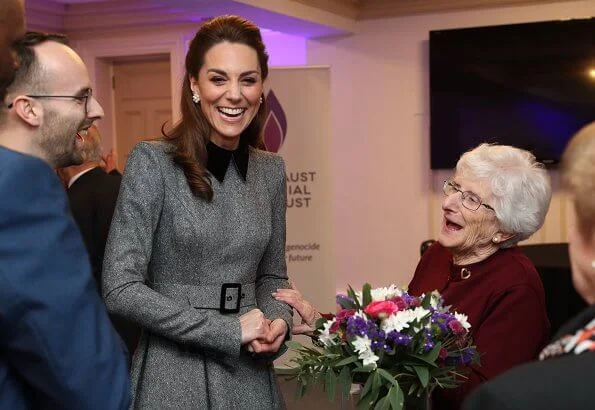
(272, 270)
(128, 255)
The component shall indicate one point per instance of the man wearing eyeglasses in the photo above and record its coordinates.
(58, 349)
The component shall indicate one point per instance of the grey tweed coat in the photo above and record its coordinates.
(166, 259)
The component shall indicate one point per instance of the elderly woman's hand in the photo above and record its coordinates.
(308, 313)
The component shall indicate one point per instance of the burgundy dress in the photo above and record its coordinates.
(505, 302)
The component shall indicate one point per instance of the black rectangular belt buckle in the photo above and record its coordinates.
(225, 298)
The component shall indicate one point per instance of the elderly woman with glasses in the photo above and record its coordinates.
(499, 195)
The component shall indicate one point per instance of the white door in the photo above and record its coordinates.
(142, 94)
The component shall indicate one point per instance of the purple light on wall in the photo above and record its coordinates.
(284, 49)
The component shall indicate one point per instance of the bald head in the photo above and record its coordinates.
(40, 56)
(12, 27)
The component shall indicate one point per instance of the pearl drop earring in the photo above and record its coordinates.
(495, 239)
(260, 100)
(195, 97)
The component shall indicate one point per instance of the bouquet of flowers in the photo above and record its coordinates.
(398, 346)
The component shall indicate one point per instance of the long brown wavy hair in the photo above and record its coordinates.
(192, 134)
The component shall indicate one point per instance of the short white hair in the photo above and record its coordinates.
(520, 187)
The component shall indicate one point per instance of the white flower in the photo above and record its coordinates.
(380, 294)
(435, 299)
(402, 319)
(463, 319)
(363, 346)
(325, 336)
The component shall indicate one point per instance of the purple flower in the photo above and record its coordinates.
(398, 339)
(467, 356)
(463, 357)
(358, 326)
(411, 301)
(340, 298)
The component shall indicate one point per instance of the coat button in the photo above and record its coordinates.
(229, 298)
(243, 295)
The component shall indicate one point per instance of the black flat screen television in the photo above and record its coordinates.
(528, 85)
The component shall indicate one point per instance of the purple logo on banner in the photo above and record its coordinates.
(275, 126)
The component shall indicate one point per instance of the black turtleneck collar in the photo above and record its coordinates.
(219, 158)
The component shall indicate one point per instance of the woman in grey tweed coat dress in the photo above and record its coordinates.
(195, 251)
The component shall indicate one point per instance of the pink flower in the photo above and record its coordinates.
(335, 327)
(443, 354)
(401, 304)
(344, 314)
(456, 327)
(381, 309)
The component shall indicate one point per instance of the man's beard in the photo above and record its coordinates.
(58, 141)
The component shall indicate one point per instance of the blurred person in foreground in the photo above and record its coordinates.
(498, 196)
(58, 349)
(562, 379)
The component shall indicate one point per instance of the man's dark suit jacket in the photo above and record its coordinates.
(93, 198)
(92, 201)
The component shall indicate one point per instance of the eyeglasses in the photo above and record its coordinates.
(81, 98)
(469, 200)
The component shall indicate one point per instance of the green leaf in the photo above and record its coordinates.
(366, 295)
(319, 323)
(383, 404)
(364, 369)
(293, 345)
(423, 358)
(346, 361)
(364, 403)
(396, 397)
(367, 386)
(330, 383)
(345, 382)
(377, 382)
(387, 376)
(423, 375)
(425, 302)
(433, 354)
(369, 399)
(347, 303)
(352, 295)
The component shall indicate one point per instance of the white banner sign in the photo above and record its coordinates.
(298, 127)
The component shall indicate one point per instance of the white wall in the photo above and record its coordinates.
(385, 197)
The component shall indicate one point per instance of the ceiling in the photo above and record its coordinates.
(367, 9)
(306, 18)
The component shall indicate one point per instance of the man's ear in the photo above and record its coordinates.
(28, 110)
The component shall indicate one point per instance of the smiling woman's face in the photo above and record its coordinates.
(467, 232)
(230, 86)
